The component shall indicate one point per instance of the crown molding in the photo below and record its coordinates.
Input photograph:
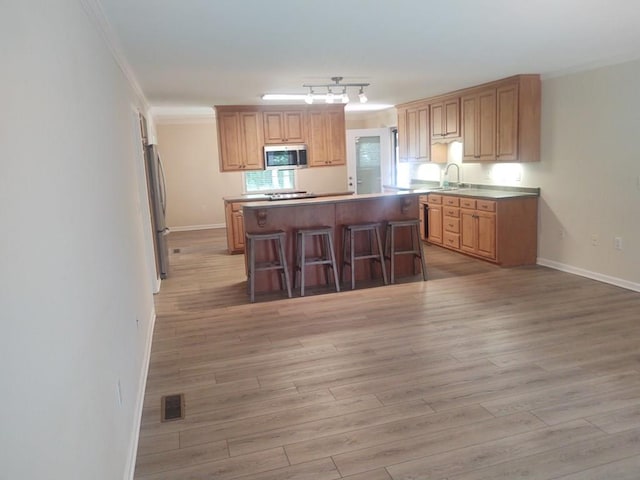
(95, 12)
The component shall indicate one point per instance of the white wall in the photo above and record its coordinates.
(74, 287)
(195, 186)
(590, 172)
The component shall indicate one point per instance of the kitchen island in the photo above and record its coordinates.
(333, 211)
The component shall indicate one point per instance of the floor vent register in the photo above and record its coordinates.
(172, 407)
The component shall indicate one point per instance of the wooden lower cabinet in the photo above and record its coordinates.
(478, 233)
(502, 231)
(235, 227)
(434, 217)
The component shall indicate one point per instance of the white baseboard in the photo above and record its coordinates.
(618, 282)
(188, 228)
(137, 419)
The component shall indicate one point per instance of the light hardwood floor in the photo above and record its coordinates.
(478, 373)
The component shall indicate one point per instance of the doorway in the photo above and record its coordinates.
(368, 160)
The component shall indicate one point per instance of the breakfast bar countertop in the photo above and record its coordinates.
(320, 200)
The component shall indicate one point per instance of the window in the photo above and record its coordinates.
(269, 181)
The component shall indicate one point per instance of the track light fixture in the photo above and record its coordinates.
(336, 91)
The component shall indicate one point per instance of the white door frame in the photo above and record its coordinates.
(385, 155)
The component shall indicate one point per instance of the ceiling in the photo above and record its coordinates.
(195, 53)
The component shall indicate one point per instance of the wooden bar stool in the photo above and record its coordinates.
(327, 255)
(277, 240)
(349, 255)
(416, 245)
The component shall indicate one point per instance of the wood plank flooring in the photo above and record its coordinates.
(478, 373)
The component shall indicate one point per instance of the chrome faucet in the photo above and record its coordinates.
(446, 171)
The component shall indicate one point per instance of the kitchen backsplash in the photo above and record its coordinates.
(507, 174)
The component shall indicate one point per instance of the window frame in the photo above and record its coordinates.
(246, 191)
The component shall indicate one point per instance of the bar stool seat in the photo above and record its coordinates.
(326, 256)
(373, 254)
(277, 240)
(415, 250)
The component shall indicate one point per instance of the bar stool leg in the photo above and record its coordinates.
(421, 253)
(353, 260)
(392, 255)
(302, 263)
(345, 232)
(382, 262)
(285, 267)
(334, 266)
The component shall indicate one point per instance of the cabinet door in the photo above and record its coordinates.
(435, 223)
(403, 151)
(486, 245)
(237, 224)
(273, 127)
(469, 128)
(317, 140)
(437, 120)
(335, 139)
(229, 139)
(252, 140)
(486, 126)
(412, 134)
(468, 231)
(294, 127)
(507, 123)
(451, 125)
(423, 141)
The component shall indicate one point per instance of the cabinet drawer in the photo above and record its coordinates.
(451, 212)
(423, 199)
(486, 205)
(236, 207)
(452, 225)
(436, 199)
(451, 201)
(451, 240)
(469, 203)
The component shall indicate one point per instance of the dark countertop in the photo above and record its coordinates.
(335, 198)
(492, 192)
(258, 197)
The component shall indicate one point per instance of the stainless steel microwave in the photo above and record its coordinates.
(285, 156)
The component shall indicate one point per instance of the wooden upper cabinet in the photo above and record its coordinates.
(507, 120)
(326, 139)
(497, 122)
(284, 127)
(413, 133)
(445, 119)
(501, 121)
(479, 126)
(240, 140)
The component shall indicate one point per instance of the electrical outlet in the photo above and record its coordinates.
(617, 243)
(595, 241)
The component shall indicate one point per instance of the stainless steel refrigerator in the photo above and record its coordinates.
(158, 204)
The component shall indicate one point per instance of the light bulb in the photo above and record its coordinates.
(309, 98)
(345, 96)
(329, 97)
(362, 96)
